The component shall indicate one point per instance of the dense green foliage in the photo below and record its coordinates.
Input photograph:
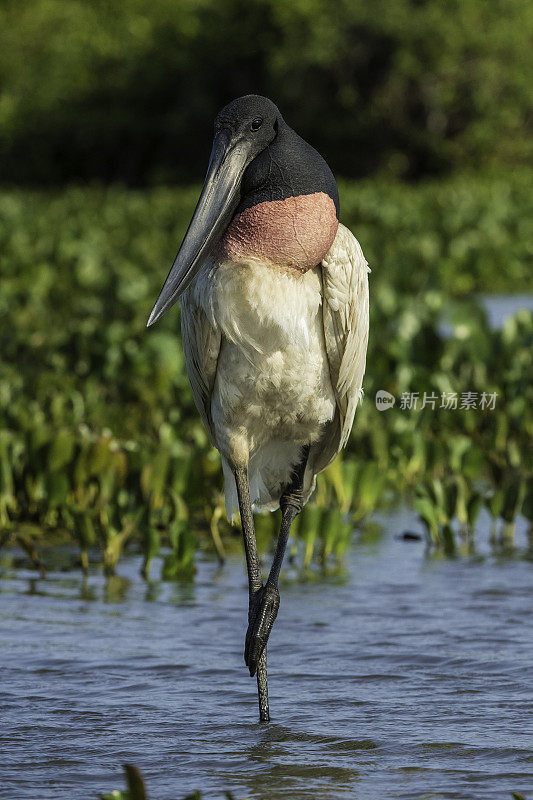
(98, 432)
(119, 91)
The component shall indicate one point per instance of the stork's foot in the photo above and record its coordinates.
(263, 611)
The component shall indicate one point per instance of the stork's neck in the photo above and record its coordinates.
(288, 215)
(288, 167)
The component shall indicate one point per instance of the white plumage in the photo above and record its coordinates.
(275, 361)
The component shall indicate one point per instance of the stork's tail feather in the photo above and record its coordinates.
(264, 493)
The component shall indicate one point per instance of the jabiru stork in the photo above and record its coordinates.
(274, 320)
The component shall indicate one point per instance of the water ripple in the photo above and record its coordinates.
(410, 678)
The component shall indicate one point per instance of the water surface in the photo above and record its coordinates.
(501, 307)
(410, 677)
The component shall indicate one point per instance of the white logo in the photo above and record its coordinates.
(384, 400)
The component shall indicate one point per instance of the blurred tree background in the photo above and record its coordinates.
(92, 90)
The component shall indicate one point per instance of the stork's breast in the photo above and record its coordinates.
(295, 233)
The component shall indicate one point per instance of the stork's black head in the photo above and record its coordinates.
(266, 189)
(252, 119)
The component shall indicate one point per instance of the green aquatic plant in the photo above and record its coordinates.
(136, 787)
(435, 502)
(527, 508)
(99, 436)
(513, 497)
(442, 502)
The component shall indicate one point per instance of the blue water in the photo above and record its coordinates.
(410, 677)
(500, 307)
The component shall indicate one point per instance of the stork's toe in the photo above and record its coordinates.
(263, 612)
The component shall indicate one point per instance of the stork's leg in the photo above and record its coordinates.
(255, 581)
(265, 602)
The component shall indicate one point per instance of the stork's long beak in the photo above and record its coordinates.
(218, 200)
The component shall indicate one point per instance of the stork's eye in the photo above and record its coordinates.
(256, 123)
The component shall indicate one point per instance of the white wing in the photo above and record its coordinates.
(345, 313)
(201, 344)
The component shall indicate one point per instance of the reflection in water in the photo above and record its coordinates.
(153, 591)
(87, 589)
(33, 587)
(407, 676)
(116, 589)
